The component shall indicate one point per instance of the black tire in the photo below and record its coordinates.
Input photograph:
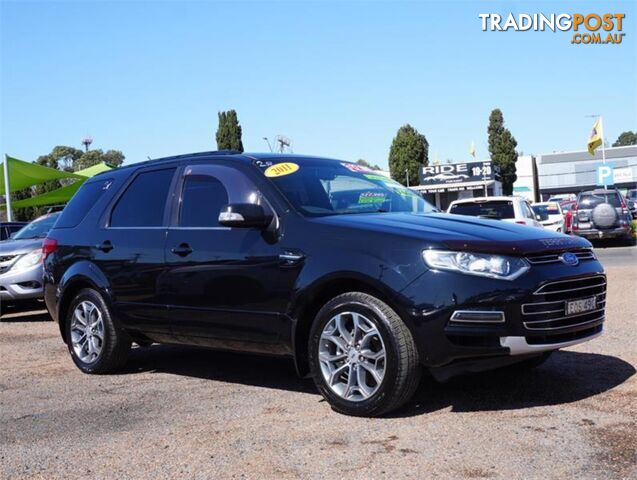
(531, 363)
(116, 344)
(402, 366)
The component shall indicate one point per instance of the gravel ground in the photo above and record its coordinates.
(191, 413)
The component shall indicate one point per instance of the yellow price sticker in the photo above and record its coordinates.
(281, 169)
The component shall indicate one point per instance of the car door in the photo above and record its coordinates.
(129, 249)
(225, 287)
(529, 215)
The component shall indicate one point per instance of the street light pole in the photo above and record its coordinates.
(7, 191)
(268, 142)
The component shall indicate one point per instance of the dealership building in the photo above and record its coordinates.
(442, 184)
(543, 176)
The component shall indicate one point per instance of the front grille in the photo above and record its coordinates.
(5, 262)
(546, 314)
(543, 258)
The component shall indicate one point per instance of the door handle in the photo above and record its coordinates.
(105, 246)
(289, 258)
(183, 250)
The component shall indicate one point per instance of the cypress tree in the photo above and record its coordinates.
(229, 132)
(502, 150)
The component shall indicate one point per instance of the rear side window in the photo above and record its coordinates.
(495, 209)
(143, 202)
(82, 202)
(591, 200)
(202, 199)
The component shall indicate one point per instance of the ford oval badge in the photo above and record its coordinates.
(569, 258)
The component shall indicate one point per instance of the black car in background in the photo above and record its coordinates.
(602, 214)
(324, 261)
(8, 228)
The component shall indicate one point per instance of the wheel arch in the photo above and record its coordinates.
(80, 276)
(322, 291)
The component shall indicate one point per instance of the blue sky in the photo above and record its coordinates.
(338, 78)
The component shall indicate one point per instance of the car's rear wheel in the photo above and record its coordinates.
(96, 344)
(362, 356)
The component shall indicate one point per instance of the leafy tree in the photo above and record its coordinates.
(365, 163)
(409, 152)
(502, 150)
(626, 138)
(229, 132)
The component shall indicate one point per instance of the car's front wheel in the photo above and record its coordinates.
(96, 344)
(362, 356)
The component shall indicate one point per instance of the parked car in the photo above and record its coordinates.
(567, 209)
(342, 270)
(632, 208)
(8, 228)
(509, 209)
(601, 214)
(550, 215)
(21, 261)
(632, 195)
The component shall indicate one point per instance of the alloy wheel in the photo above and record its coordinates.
(352, 356)
(87, 331)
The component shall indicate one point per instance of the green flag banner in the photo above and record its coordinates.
(24, 174)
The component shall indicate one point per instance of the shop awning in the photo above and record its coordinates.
(25, 174)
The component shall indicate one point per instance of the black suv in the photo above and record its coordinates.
(340, 268)
(601, 214)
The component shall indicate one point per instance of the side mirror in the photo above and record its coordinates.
(244, 215)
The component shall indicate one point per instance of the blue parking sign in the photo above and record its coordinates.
(604, 175)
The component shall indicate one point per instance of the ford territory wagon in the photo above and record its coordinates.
(352, 275)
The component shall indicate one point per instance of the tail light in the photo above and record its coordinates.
(49, 246)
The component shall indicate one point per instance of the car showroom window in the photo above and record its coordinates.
(203, 196)
(142, 204)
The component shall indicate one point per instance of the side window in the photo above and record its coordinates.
(207, 188)
(201, 201)
(528, 212)
(142, 204)
(82, 202)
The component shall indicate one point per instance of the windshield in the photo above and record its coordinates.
(38, 228)
(325, 187)
(496, 209)
(591, 200)
(546, 210)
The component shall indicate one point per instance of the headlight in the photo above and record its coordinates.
(28, 260)
(482, 264)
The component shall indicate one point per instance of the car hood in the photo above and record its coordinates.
(458, 232)
(15, 247)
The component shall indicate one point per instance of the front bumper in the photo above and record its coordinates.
(595, 234)
(21, 285)
(533, 308)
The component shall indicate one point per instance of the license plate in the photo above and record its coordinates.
(574, 307)
(584, 225)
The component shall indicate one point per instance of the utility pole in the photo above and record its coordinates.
(7, 191)
(407, 176)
